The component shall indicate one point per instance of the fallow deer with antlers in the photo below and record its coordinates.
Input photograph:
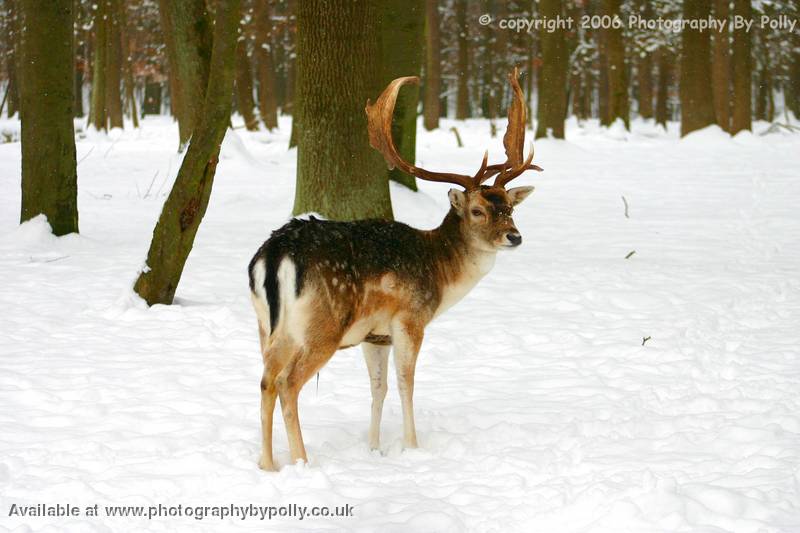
(318, 286)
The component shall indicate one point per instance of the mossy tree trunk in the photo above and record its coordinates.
(433, 66)
(741, 118)
(697, 101)
(186, 204)
(244, 87)
(338, 174)
(187, 34)
(551, 108)
(265, 66)
(462, 94)
(721, 67)
(402, 29)
(618, 103)
(49, 174)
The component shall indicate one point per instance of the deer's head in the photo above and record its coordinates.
(484, 210)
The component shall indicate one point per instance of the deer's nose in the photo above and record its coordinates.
(514, 238)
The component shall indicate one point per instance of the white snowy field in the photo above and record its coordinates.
(538, 407)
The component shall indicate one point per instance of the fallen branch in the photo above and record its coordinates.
(624, 201)
(630, 254)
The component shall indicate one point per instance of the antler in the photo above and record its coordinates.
(379, 125)
(514, 139)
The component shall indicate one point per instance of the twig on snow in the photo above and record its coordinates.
(624, 201)
(645, 339)
(458, 137)
(630, 254)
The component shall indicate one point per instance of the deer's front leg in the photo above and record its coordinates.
(377, 359)
(407, 339)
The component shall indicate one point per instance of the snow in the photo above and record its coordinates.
(538, 405)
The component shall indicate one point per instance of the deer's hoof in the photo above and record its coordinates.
(267, 465)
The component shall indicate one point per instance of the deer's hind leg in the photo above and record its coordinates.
(377, 359)
(269, 393)
(303, 364)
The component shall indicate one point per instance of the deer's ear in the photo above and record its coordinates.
(458, 199)
(517, 194)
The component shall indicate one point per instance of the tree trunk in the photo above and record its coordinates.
(602, 88)
(130, 97)
(742, 71)
(78, 90)
(244, 87)
(49, 173)
(113, 70)
(618, 104)
(265, 67)
(187, 33)
(433, 66)
(99, 110)
(721, 67)
(152, 97)
(793, 89)
(402, 28)
(765, 105)
(338, 174)
(645, 78)
(186, 204)
(551, 109)
(12, 54)
(664, 82)
(697, 102)
(462, 96)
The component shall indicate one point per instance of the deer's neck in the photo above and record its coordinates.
(460, 264)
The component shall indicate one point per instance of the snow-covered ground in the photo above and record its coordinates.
(539, 407)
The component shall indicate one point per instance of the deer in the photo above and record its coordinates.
(318, 286)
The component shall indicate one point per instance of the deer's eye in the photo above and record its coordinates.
(477, 213)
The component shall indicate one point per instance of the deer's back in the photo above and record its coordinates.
(358, 272)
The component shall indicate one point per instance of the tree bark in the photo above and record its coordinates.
(265, 66)
(765, 105)
(173, 236)
(12, 55)
(244, 87)
(113, 71)
(49, 168)
(187, 34)
(152, 97)
(130, 96)
(338, 174)
(721, 67)
(602, 87)
(697, 102)
(402, 28)
(645, 79)
(433, 66)
(462, 95)
(98, 108)
(551, 109)
(742, 71)
(664, 82)
(618, 104)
